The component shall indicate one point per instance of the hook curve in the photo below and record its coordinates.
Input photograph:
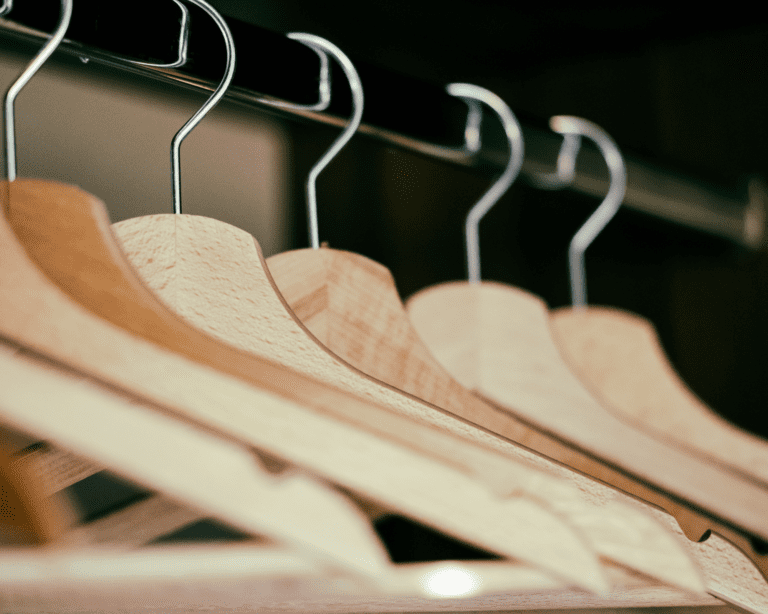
(497, 190)
(576, 127)
(212, 101)
(355, 85)
(9, 119)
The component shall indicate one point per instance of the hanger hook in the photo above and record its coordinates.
(6, 8)
(356, 87)
(212, 101)
(9, 120)
(575, 127)
(496, 191)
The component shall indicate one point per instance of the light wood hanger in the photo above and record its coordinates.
(212, 274)
(496, 340)
(217, 477)
(29, 577)
(134, 343)
(351, 305)
(620, 357)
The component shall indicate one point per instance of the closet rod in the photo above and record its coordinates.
(427, 120)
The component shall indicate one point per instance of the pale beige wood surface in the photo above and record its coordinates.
(496, 340)
(209, 474)
(28, 305)
(136, 524)
(619, 356)
(245, 398)
(351, 304)
(247, 578)
(212, 274)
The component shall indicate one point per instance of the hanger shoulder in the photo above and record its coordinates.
(351, 305)
(520, 368)
(619, 355)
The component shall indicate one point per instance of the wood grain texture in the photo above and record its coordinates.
(213, 476)
(352, 305)
(162, 360)
(212, 274)
(444, 308)
(619, 356)
(496, 340)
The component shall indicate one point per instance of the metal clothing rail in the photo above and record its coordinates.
(425, 120)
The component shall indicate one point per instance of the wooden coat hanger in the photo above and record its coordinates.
(92, 313)
(219, 478)
(108, 578)
(620, 357)
(211, 274)
(500, 345)
(351, 304)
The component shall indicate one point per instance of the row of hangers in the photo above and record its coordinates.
(296, 399)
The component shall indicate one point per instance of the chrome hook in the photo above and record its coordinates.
(9, 119)
(212, 101)
(575, 128)
(356, 87)
(6, 8)
(496, 191)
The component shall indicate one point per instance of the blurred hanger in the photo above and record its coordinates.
(70, 294)
(211, 274)
(496, 340)
(619, 355)
(221, 479)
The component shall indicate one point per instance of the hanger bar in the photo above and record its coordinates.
(412, 124)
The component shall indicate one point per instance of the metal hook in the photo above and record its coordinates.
(576, 127)
(9, 119)
(516, 153)
(183, 42)
(6, 8)
(356, 87)
(212, 101)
